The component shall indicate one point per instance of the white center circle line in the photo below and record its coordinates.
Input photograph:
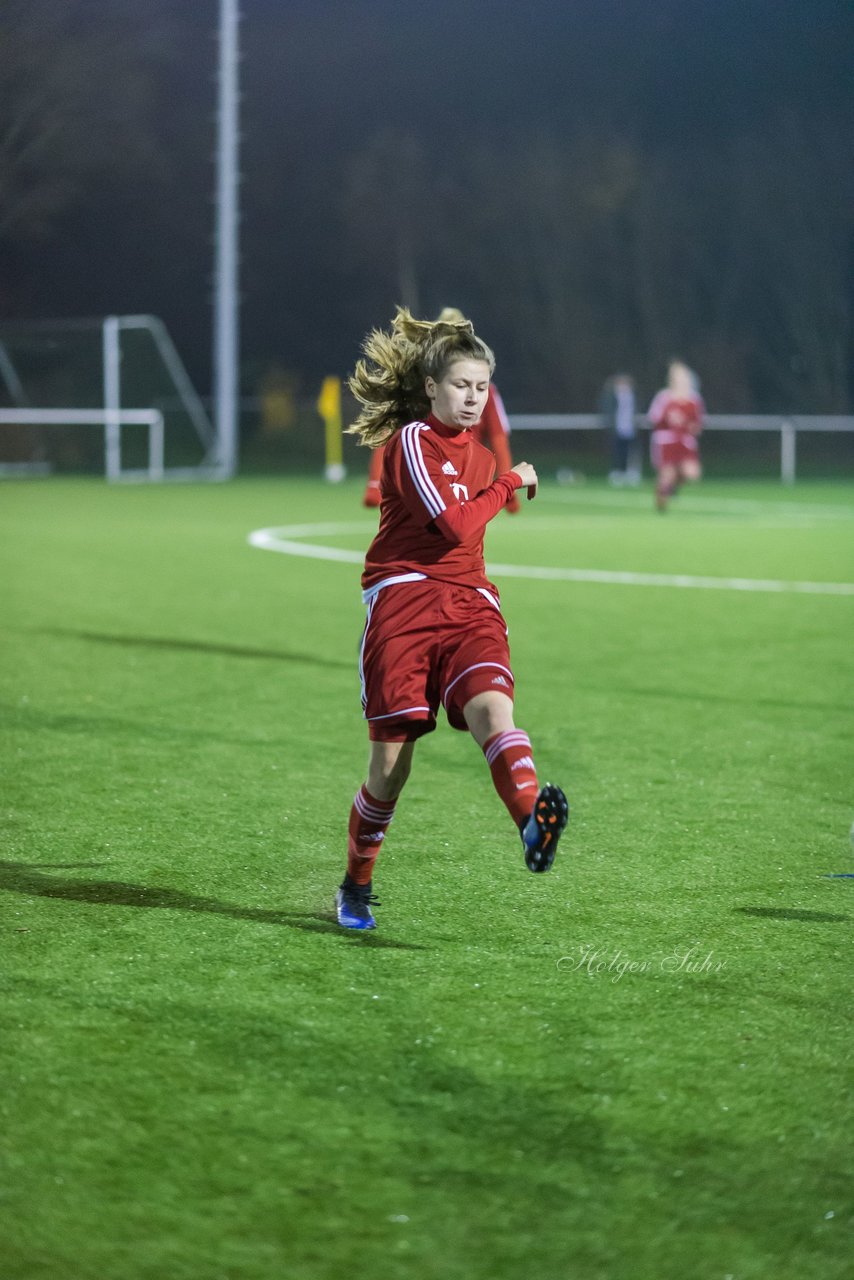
(287, 540)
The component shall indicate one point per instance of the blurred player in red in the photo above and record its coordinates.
(493, 430)
(676, 417)
(434, 633)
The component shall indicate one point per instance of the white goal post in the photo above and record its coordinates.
(787, 427)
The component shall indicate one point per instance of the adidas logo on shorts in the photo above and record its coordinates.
(500, 680)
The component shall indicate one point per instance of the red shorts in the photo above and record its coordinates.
(672, 448)
(428, 643)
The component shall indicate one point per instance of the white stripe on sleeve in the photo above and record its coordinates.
(417, 467)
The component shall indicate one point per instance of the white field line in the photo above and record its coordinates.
(281, 540)
(285, 541)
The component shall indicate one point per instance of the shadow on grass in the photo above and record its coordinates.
(31, 719)
(791, 913)
(201, 646)
(26, 878)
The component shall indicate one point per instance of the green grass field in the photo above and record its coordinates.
(634, 1068)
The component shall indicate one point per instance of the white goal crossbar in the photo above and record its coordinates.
(786, 427)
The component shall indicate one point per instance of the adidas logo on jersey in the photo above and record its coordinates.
(500, 680)
(449, 469)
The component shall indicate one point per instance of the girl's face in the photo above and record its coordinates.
(460, 398)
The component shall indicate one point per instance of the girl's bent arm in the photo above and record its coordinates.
(459, 522)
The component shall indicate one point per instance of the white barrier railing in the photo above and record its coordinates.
(787, 427)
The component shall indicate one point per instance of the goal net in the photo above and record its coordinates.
(107, 396)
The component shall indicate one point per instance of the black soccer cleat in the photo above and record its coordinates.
(353, 905)
(543, 829)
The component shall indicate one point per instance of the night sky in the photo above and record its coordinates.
(453, 97)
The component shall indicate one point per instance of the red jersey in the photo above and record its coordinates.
(493, 430)
(680, 415)
(438, 495)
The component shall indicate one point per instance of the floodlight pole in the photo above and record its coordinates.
(226, 297)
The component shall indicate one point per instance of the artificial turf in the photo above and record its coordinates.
(634, 1068)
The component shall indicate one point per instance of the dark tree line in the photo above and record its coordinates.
(590, 254)
(579, 246)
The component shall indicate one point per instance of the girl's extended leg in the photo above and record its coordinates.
(540, 813)
(489, 717)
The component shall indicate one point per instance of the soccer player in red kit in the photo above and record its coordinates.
(676, 417)
(434, 633)
(493, 430)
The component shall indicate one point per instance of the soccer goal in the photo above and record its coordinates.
(105, 395)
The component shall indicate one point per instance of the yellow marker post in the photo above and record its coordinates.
(329, 408)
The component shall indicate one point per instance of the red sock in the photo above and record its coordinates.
(369, 819)
(513, 771)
